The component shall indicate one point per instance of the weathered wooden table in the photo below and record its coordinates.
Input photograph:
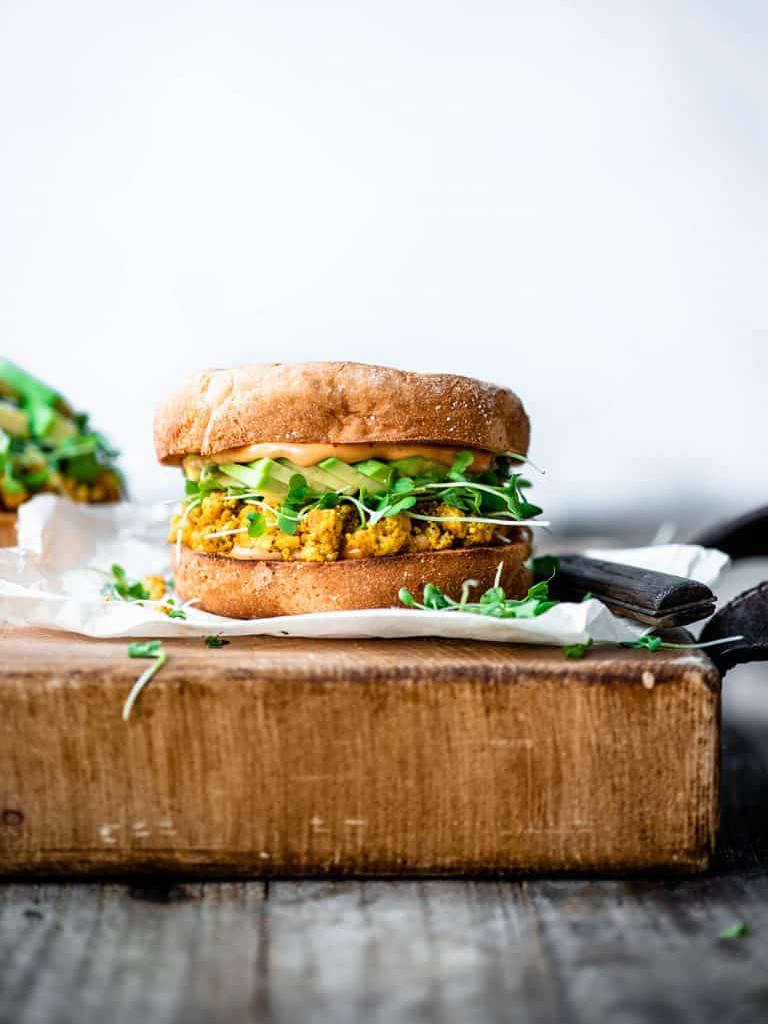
(544, 950)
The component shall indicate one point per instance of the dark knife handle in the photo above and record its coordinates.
(657, 598)
(743, 537)
(745, 616)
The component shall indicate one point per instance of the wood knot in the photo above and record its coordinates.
(11, 818)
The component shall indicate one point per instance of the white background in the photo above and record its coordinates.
(566, 197)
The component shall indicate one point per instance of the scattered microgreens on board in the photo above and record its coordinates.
(143, 649)
(577, 650)
(215, 641)
(649, 642)
(735, 931)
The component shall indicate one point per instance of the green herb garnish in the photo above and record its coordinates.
(494, 602)
(143, 649)
(215, 641)
(120, 588)
(545, 566)
(735, 931)
(257, 524)
(577, 650)
(649, 642)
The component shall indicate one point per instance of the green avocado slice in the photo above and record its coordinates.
(319, 479)
(13, 420)
(265, 476)
(351, 477)
(381, 472)
(416, 465)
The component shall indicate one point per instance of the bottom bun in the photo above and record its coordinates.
(249, 589)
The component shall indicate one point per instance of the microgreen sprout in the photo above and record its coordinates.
(494, 602)
(577, 650)
(517, 457)
(120, 588)
(143, 649)
(649, 642)
(257, 524)
(735, 931)
(215, 641)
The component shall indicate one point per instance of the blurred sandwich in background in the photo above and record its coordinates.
(45, 446)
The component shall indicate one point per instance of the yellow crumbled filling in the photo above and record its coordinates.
(105, 488)
(155, 586)
(325, 535)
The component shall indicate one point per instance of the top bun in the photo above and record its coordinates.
(335, 403)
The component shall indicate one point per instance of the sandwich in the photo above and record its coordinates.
(45, 446)
(329, 486)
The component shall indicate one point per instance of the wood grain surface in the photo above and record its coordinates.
(571, 951)
(295, 757)
(7, 529)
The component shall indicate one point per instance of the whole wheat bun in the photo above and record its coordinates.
(336, 403)
(257, 589)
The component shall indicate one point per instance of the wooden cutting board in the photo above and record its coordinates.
(7, 529)
(300, 757)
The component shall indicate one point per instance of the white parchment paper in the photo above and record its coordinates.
(52, 580)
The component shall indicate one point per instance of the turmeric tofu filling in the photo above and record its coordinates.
(275, 508)
(326, 535)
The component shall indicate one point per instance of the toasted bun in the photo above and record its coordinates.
(258, 589)
(337, 403)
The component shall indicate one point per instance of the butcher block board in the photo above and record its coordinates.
(8, 529)
(286, 757)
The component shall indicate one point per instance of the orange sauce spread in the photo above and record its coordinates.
(311, 454)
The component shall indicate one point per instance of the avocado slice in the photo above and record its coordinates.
(61, 428)
(192, 467)
(381, 472)
(319, 479)
(351, 477)
(265, 476)
(13, 420)
(418, 466)
(17, 382)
